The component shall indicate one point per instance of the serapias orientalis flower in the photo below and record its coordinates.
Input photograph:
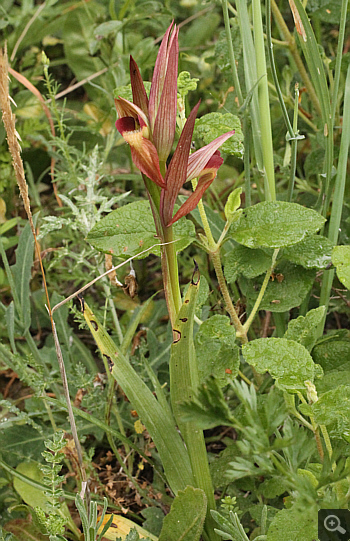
(149, 125)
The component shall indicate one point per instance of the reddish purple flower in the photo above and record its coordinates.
(149, 125)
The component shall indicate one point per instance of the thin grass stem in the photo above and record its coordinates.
(264, 104)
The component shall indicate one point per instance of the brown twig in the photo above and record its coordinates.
(24, 81)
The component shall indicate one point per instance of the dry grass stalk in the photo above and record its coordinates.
(9, 120)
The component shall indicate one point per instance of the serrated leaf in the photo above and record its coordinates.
(288, 289)
(304, 329)
(333, 405)
(186, 84)
(220, 465)
(216, 350)
(275, 224)
(212, 125)
(341, 260)
(312, 253)
(129, 230)
(246, 261)
(186, 517)
(288, 362)
(291, 524)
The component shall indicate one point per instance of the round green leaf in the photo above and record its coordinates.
(275, 224)
(341, 260)
(288, 362)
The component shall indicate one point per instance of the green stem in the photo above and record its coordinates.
(344, 7)
(231, 53)
(261, 292)
(338, 198)
(246, 159)
(293, 160)
(264, 104)
(327, 440)
(273, 69)
(173, 272)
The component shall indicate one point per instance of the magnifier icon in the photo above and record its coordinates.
(332, 524)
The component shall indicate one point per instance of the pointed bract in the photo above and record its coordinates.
(159, 74)
(138, 88)
(148, 126)
(177, 171)
(205, 179)
(165, 122)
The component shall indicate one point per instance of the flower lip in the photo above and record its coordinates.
(125, 124)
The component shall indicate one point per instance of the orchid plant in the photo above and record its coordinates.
(148, 125)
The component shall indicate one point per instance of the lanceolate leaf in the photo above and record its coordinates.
(161, 428)
(22, 272)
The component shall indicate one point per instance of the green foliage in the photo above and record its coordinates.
(275, 225)
(278, 445)
(212, 125)
(341, 260)
(289, 362)
(185, 520)
(120, 235)
(216, 350)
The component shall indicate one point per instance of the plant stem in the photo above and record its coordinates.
(264, 105)
(338, 198)
(344, 7)
(261, 292)
(231, 53)
(173, 271)
(293, 160)
(240, 330)
(214, 252)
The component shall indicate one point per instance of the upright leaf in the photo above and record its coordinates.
(158, 423)
(22, 272)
